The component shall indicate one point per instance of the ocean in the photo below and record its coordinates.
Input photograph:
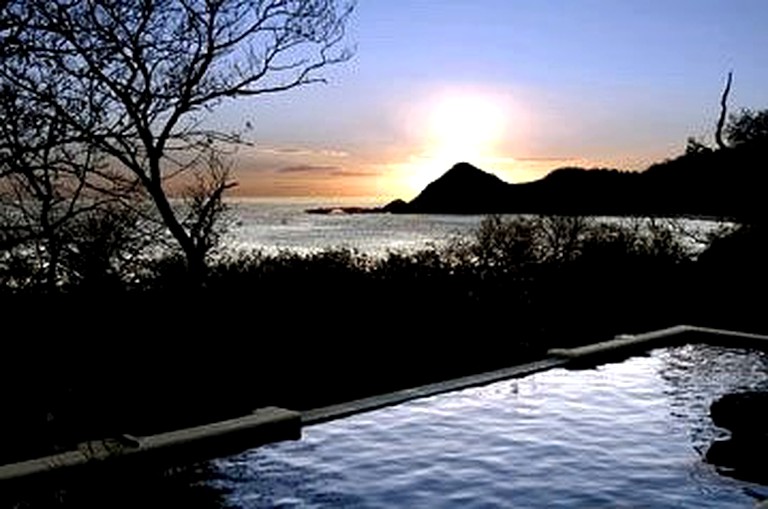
(272, 225)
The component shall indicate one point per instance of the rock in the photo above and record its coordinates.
(396, 207)
(742, 413)
(743, 455)
(741, 458)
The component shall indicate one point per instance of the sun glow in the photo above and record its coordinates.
(464, 127)
(453, 127)
(484, 127)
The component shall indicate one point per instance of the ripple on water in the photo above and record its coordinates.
(630, 434)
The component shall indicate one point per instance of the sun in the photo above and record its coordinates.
(465, 127)
(462, 124)
(458, 126)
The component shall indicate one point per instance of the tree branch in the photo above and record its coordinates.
(723, 113)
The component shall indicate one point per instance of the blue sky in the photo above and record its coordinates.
(569, 82)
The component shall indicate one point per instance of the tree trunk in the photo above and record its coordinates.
(194, 257)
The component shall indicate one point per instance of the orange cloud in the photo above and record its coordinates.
(309, 168)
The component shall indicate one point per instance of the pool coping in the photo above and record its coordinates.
(273, 424)
(338, 411)
(262, 426)
(619, 348)
(679, 334)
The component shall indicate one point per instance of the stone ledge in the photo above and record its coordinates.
(328, 413)
(265, 425)
(626, 343)
(620, 347)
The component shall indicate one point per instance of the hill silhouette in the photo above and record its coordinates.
(723, 183)
(488, 193)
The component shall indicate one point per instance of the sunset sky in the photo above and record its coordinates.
(516, 87)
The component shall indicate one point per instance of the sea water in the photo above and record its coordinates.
(631, 434)
(272, 225)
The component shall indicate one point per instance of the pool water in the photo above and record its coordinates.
(630, 434)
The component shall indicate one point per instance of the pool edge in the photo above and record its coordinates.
(624, 344)
(340, 410)
(273, 424)
(262, 426)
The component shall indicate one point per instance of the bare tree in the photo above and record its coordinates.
(133, 80)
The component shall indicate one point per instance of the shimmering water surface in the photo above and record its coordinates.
(272, 225)
(631, 434)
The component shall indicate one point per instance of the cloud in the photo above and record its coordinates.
(546, 159)
(535, 159)
(324, 171)
(309, 168)
(351, 173)
(300, 151)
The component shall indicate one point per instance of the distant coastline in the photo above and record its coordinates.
(346, 210)
(719, 185)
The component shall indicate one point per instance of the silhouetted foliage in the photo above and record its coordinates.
(51, 185)
(695, 147)
(748, 127)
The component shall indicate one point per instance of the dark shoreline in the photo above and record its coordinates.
(354, 210)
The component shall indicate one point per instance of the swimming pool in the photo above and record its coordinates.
(630, 434)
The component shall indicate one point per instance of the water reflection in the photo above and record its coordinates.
(697, 375)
